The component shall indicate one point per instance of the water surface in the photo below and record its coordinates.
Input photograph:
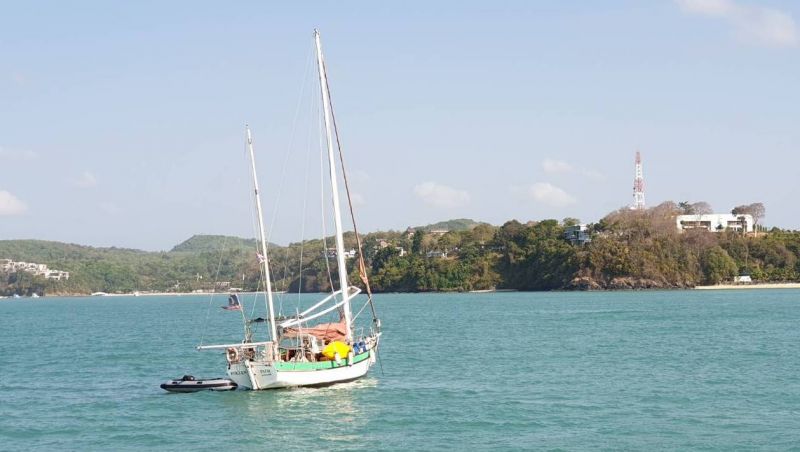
(580, 371)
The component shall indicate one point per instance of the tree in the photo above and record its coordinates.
(482, 233)
(695, 208)
(702, 208)
(718, 266)
(416, 243)
(756, 210)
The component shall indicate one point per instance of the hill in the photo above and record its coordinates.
(628, 249)
(214, 243)
(459, 224)
(49, 251)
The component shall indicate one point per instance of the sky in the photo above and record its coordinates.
(122, 123)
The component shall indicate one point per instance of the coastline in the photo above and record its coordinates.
(756, 286)
(750, 286)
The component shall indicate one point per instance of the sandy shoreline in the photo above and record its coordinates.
(750, 286)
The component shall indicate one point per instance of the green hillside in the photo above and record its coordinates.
(629, 249)
(214, 243)
(459, 224)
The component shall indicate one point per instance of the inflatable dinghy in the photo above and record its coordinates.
(190, 384)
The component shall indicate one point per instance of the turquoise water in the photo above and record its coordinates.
(712, 370)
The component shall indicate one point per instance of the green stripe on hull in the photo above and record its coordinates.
(320, 365)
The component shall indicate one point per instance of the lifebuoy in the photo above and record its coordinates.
(233, 355)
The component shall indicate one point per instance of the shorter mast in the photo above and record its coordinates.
(263, 255)
(337, 215)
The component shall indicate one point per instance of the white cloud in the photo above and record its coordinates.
(439, 195)
(551, 166)
(359, 176)
(767, 26)
(592, 174)
(110, 208)
(16, 154)
(556, 166)
(708, 7)
(11, 205)
(357, 199)
(549, 194)
(87, 180)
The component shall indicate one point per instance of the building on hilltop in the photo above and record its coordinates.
(578, 234)
(715, 222)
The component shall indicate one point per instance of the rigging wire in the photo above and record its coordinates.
(322, 206)
(306, 183)
(282, 179)
(361, 265)
(256, 251)
(362, 269)
(211, 298)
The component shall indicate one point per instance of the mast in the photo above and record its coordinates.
(264, 259)
(337, 215)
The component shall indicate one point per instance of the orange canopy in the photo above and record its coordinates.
(326, 331)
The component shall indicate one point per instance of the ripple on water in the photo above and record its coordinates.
(558, 371)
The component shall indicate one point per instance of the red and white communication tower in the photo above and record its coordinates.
(638, 185)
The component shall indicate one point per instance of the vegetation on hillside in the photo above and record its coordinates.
(459, 224)
(629, 249)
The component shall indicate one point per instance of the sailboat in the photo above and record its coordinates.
(299, 351)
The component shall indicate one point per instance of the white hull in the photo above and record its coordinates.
(264, 375)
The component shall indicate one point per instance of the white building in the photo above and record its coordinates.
(577, 234)
(715, 222)
(9, 266)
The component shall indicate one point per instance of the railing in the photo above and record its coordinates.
(237, 345)
(302, 316)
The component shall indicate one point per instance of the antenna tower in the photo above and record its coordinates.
(638, 185)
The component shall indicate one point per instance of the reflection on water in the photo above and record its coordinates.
(336, 414)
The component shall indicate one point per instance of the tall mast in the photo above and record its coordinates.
(263, 259)
(337, 216)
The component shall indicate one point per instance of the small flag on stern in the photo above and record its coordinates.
(233, 303)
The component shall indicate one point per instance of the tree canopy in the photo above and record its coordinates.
(629, 249)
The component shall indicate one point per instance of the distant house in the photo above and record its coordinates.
(331, 253)
(578, 234)
(9, 266)
(58, 275)
(715, 222)
(436, 254)
(438, 232)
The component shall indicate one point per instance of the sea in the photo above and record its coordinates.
(649, 370)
